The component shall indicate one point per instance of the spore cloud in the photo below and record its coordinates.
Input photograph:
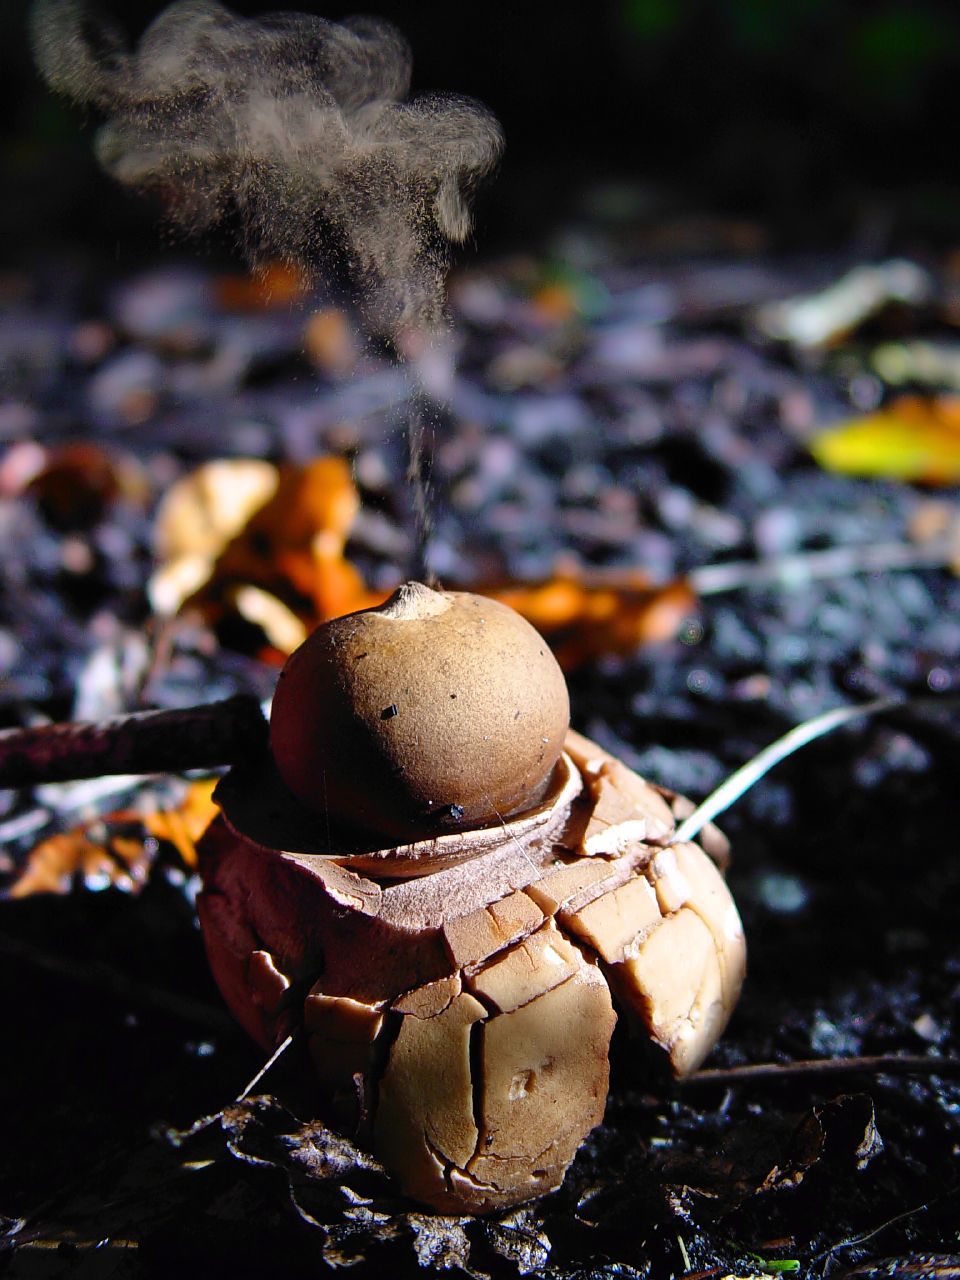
(294, 129)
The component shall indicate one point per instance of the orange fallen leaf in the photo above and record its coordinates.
(555, 303)
(184, 826)
(293, 546)
(913, 438)
(99, 852)
(271, 550)
(117, 849)
(331, 342)
(243, 537)
(584, 619)
(937, 521)
(276, 285)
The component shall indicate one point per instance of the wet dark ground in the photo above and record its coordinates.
(652, 424)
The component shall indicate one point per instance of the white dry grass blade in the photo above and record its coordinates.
(178, 1137)
(744, 778)
(832, 562)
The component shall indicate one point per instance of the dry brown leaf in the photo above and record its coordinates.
(284, 630)
(837, 1135)
(293, 546)
(242, 536)
(202, 512)
(117, 849)
(72, 484)
(197, 519)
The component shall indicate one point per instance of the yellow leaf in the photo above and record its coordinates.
(913, 438)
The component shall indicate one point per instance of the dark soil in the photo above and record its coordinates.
(656, 428)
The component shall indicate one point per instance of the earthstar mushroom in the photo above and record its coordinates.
(451, 936)
(437, 710)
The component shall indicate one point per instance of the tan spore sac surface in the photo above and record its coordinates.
(476, 1030)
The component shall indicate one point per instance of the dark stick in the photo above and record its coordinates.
(202, 737)
(877, 1064)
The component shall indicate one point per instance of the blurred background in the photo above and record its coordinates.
(822, 120)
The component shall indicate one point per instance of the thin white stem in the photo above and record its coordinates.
(712, 579)
(278, 1053)
(177, 1137)
(744, 778)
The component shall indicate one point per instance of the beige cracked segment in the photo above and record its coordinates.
(614, 923)
(424, 1120)
(673, 969)
(471, 938)
(544, 1071)
(340, 1036)
(527, 970)
(711, 900)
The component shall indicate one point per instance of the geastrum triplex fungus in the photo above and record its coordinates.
(447, 893)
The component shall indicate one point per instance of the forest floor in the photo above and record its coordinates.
(616, 403)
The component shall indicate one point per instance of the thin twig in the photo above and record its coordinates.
(894, 1064)
(203, 737)
(863, 1236)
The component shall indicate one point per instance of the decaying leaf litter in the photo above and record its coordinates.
(607, 412)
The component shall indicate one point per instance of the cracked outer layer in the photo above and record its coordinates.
(459, 1019)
